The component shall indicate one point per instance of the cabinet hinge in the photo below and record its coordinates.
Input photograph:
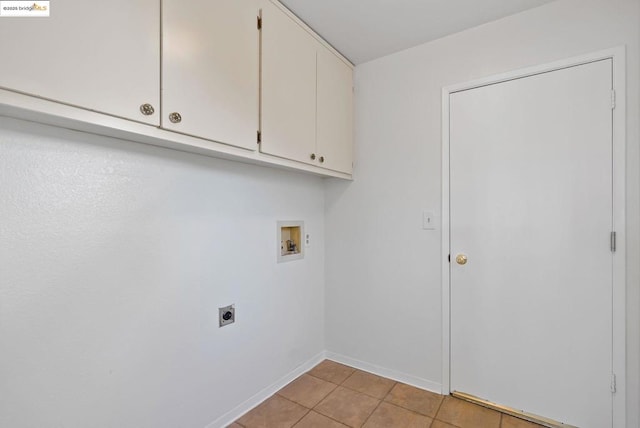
(613, 382)
(613, 242)
(613, 99)
(259, 137)
(259, 23)
(449, 258)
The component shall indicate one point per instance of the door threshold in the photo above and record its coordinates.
(540, 420)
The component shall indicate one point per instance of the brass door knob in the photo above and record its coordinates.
(461, 259)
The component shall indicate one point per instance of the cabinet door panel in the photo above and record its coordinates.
(335, 112)
(288, 111)
(102, 56)
(210, 55)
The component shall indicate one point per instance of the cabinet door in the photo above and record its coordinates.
(288, 113)
(335, 112)
(210, 55)
(97, 55)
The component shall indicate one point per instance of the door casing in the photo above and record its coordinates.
(617, 55)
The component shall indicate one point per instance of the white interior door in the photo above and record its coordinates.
(531, 208)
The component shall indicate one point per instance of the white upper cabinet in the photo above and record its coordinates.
(307, 95)
(288, 111)
(97, 55)
(334, 112)
(210, 69)
(205, 76)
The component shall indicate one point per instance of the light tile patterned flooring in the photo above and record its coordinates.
(333, 395)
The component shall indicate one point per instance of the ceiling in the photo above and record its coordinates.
(367, 29)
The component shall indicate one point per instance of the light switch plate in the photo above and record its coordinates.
(428, 220)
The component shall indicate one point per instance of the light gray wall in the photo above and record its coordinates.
(383, 271)
(114, 259)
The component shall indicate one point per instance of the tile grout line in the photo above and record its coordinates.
(303, 416)
(364, 393)
(435, 415)
(370, 414)
(501, 415)
(368, 395)
(329, 417)
(433, 420)
(297, 404)
(410, 411)
(413, 410)
(318, 377)
(341, 384)
(407, 409)
(313, 409)
(335, 420)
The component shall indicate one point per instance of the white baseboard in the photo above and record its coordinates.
(229, 417)
(384, 372)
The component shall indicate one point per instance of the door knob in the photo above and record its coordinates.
(461, 259)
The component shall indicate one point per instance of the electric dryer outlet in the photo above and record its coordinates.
(227, 315)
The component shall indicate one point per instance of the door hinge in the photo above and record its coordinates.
(259, 23)
(613, 382)
(259, 137)
(449, 258)
(613, 99)
(613, 242)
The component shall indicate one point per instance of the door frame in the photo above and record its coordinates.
(617, 55)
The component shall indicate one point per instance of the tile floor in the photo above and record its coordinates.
(333, 395)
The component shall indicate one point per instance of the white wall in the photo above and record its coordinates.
(383, 272)
(114, 259)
